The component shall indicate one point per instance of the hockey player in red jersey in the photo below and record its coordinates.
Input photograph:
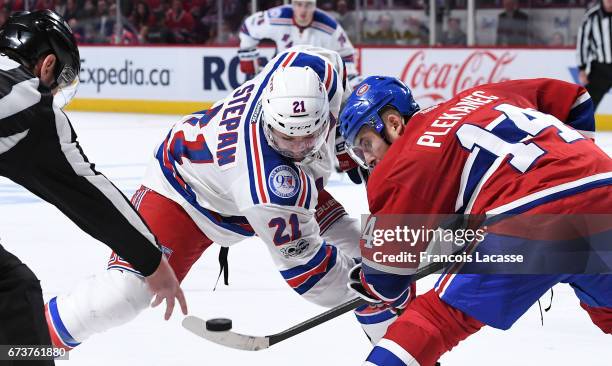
(516, 147)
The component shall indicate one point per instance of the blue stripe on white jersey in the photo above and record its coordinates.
(247, 132)
(304, 277)
(308, 190)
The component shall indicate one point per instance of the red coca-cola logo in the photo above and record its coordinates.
(437, 80)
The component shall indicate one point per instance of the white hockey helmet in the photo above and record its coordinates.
(295, 112)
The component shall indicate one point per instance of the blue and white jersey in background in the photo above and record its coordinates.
(277, 25)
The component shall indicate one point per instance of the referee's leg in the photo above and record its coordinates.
(22, 317)
(600, 81)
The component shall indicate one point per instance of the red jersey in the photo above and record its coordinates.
(495, 148)
(502, 148)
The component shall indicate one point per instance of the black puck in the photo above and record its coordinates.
(219, 324)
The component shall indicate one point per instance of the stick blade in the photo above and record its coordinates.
(228, 338)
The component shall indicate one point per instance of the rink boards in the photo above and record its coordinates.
(178, 80)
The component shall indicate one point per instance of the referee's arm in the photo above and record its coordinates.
(39, 150)
(58, 171)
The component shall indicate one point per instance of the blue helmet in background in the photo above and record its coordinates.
(364, 104)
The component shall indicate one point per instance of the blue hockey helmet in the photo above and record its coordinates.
(365, 103)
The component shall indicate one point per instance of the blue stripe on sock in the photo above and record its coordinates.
(383, 357)
(59, 325)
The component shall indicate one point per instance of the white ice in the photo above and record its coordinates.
(258, 300)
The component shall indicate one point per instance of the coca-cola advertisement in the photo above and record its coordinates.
(435, 75)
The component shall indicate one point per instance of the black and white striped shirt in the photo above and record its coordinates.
(39, 151)
(594, 38)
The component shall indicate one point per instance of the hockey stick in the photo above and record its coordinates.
(231, 339)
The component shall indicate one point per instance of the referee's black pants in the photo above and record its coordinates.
(22, 316)
(600, 81)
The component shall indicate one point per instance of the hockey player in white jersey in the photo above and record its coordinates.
(300, 23)
(256, 163)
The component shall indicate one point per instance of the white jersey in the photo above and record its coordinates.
(277, 25)
(218, 166)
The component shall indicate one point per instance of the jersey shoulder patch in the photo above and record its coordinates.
(281, 12)
(283, 181)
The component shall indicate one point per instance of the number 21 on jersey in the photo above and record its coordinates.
(280, 224)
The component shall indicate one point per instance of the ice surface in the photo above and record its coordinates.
(257, 300)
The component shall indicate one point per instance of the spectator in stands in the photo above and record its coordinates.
(3, 16)
(453, 36)
(512, 25)
(201, 14)
(103, 25)
(87, 12)
(179, 22)
(416, 32)
(347, 19)
(15, 5)
(71, 10)
(556, 40)
(385, 34)
(59, 7)
(158, 33)
(162, 7)
(328, 7)
(127, 7)
(233, 13)
(271, 4)
(43, 4)
(142, 19)
(126, 35)
(228, 36)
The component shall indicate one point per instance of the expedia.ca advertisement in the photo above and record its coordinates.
(191, 74)
(127, 74)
